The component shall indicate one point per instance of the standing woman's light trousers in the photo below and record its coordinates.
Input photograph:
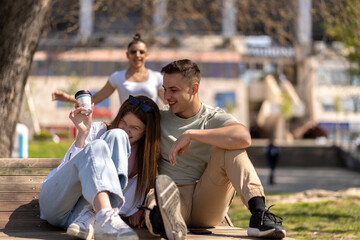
(101, 166)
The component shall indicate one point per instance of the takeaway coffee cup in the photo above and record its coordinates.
(84, 99)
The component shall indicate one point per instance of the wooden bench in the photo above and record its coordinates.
(20, 184)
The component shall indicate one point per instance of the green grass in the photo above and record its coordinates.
(335, 219)
(48, 149)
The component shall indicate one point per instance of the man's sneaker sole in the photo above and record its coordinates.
(271, 233)
(75, 231)
(168, 200)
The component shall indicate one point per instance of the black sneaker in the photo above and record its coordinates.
(266, 224)
(168, 200)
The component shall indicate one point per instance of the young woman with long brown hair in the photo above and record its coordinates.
(106, 172)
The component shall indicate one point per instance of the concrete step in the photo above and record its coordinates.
(299, 156)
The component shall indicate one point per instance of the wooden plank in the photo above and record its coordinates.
(25, 171)
(26, 225)
(32, 187)
(21, 179)
(29, 162)
(9, 206)
(31, 235)
(19, 196)
(18, 215)
(217, 234)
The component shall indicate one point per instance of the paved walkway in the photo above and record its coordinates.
(301, 179)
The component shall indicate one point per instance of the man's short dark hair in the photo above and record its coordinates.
(187, 68)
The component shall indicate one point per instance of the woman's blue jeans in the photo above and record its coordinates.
(101, 166)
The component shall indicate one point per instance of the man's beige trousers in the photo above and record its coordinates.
(205, 203)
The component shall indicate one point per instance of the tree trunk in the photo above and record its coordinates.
(21, 25)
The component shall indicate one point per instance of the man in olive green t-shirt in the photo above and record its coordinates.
(202, 151)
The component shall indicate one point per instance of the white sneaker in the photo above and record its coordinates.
(112, 227)
(83, 226)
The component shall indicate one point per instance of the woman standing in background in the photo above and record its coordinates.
(136, 80)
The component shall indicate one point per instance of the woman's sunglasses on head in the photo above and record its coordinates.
(143, 106)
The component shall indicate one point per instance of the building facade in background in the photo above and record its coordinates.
(237, 45)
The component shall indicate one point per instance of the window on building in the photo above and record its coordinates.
(340, 77)
(226, 100)
(324, 77)
(356, 104)
(334, 77)
(345, 104)
(328, 104)
(356, 80)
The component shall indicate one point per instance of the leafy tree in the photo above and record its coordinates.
(344, 26)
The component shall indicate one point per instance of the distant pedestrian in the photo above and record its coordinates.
(272, 156)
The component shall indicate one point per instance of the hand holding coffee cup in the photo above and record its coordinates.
(84, 99)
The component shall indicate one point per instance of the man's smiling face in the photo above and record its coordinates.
(179, 95)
